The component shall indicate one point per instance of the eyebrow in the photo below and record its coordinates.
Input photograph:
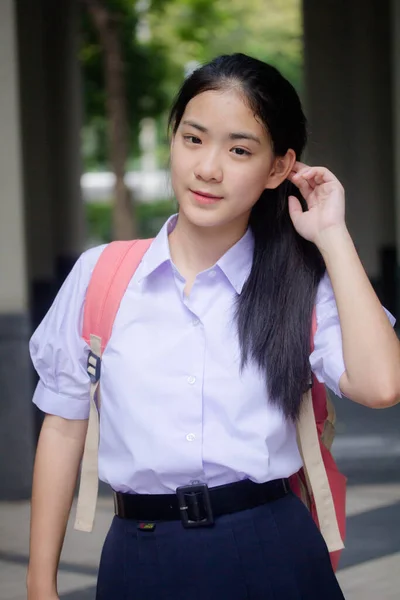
(239, 135)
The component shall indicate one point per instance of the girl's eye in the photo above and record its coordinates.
(192, 139)
(241, 152)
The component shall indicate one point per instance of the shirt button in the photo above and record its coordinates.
(190, 437)
(212, 273)
(195, 322)
(191, 379)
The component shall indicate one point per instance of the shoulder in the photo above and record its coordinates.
(78, 278)
(66, 310)
(88, 260)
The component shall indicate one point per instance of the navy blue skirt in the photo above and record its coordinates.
(272, 552)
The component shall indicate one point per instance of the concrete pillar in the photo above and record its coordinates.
(349, 101)
(16, 434)
(327, 80)
(51, 109)
(36, 158)
(51, 118)
(36, 166)
(395, 37)
(64, 110)
(372, 201)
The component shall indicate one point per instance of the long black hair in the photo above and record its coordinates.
(274, 309)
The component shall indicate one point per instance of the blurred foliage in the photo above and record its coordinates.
(145, 67)
(163, 39)
(198, 30)
(150, 218)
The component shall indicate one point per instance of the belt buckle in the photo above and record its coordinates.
(195, 505)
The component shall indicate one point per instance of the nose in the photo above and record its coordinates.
(209, 168)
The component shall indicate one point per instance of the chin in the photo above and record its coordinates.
(205, 216)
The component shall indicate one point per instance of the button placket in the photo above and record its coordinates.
(194, 367)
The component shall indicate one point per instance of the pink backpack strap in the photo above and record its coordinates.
(111, 276)
(110, 279)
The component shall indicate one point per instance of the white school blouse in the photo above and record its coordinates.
(175, 407)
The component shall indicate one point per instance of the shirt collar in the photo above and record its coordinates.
(235, 263)
(158, 253)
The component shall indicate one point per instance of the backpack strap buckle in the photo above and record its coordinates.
(93, 367)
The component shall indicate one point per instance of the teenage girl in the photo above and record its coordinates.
(210, 354)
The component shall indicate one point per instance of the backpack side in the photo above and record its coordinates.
(324, 414)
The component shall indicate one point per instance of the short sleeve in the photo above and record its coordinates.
(326, 360)
(58, 352)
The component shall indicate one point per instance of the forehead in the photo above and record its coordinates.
(224, 111)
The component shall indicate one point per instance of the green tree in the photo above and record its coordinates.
(197, 30)
(181, 32)
(120, 88)
(145, 65)
(136, 53)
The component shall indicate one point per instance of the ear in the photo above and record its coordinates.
(280, 170)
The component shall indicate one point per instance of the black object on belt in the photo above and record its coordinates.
(197, 505)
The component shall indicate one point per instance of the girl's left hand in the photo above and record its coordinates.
(324, 195)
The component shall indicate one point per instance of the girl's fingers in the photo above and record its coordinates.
(319, 174)
(319, 178)
(310, 180)
(295, 208)
(303, 175)
(299, 166)
(304, 186)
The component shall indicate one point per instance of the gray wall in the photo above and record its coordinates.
(349, 86)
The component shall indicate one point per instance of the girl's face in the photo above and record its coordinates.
(222, 160)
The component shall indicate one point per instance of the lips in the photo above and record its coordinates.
(206, 195)
(204, 198)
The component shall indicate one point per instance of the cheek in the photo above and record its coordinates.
(174, 179)
(179, 171)
(251, 180)
(179, 161)
(175, 166)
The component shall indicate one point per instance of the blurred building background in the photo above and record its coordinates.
(57, 177)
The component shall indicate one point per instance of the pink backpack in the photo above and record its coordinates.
(319, 483)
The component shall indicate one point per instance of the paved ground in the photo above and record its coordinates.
(368, 450)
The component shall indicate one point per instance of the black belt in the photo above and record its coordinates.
(197, 505)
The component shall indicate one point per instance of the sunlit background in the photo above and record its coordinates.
(162, 42)
(85, 88)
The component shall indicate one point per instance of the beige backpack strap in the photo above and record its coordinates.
(308, 441)
(328, 434)
(89, 483)
(108, 283)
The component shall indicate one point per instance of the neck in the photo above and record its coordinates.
(194, 249)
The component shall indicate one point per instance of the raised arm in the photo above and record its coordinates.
(371, 349)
